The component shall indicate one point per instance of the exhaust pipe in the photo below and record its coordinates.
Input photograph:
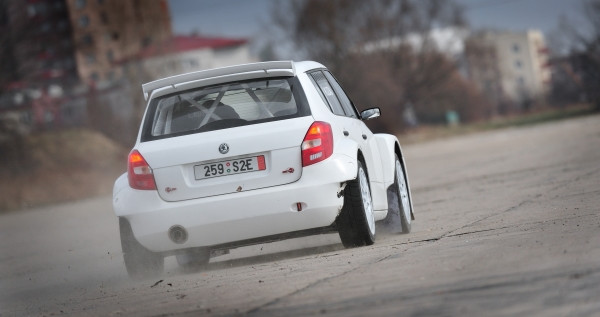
(178, 234)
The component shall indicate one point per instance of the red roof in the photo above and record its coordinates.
(179, 44)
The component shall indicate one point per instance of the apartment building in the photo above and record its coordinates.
(516, 62)
(105, 31)
(63, 41)
(183, 54)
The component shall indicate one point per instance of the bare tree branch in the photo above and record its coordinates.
(383, 51)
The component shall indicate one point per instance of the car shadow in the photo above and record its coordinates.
(318, 246)
(268, 253)
(284, 255)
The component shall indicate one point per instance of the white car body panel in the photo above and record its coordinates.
(238, 216)
(240, 207)
(356, 129)
(173, 162)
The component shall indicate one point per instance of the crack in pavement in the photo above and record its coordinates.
(578, 178)
(383, 259)
(320, 281)
(479, 231)
(450, 233)
(280, 298)
(518, 280)
(489, 287)
(447, 234)
(315, 283)
(475, 285)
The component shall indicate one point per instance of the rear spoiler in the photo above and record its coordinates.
(263, 69)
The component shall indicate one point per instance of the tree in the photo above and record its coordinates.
(384, 52)
(585, 51)
(12, 33)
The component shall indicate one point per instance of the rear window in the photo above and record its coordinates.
(224, 106)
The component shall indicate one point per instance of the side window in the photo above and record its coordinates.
(346, 103)
(312, 79)
(325, 88)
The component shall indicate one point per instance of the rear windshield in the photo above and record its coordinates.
(224, 106)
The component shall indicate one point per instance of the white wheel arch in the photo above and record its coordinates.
(387, 144)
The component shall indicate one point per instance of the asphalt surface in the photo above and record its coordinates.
(508, 223)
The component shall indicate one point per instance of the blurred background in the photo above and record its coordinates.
(71, 70)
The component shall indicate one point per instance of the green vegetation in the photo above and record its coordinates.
(436, 132)
(539, 117)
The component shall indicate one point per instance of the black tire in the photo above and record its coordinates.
(399, 211)
(193, 261)
(352, 223)
(139, 261)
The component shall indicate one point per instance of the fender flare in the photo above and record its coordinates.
(389, 145)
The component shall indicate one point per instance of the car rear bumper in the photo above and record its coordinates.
(246, 215)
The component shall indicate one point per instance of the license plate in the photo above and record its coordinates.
(230, 167)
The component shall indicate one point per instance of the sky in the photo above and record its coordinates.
(250, 18)
(520, 15)
(232, 18)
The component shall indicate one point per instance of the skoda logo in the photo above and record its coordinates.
(224, 148)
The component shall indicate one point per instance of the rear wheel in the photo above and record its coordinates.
(195, 260)
(356, 222)
(139, 261)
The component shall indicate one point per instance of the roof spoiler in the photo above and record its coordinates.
(263, 69)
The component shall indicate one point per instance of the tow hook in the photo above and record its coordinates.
(341, 191)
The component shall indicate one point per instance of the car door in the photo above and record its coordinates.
(357, 130)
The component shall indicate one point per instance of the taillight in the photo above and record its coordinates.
(139, 172)
(317, 144)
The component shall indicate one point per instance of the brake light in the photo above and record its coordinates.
(317, 144)
(139, 172)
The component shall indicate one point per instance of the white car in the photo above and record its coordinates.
(249, 154)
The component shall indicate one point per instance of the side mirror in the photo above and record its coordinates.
(369, 114)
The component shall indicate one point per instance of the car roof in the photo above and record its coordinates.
(230, 73)
(305, 66)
